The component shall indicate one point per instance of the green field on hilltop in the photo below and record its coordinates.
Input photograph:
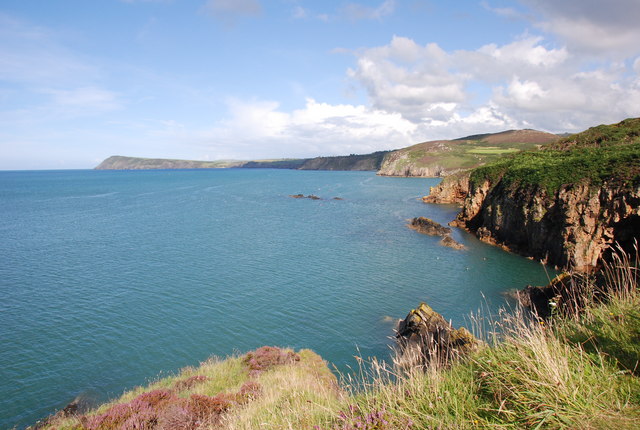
(448, 156)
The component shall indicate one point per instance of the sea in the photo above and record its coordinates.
(112, 279)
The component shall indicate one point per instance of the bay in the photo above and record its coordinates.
(109, 279)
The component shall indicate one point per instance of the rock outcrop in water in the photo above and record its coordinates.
(431, 228)
(302, 196)
(425, 337)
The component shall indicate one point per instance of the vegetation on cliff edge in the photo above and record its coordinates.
(607, 153)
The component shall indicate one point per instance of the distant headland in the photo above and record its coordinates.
(428, 159)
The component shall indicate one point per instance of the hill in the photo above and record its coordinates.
(369, 162)
(118, 162)
(444, 157)
(428, 159)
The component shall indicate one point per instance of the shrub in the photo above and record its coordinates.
(268, 356)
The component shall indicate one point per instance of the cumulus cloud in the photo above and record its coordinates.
(607, 29)
(261, 129)
(407, 78)
(542, 86)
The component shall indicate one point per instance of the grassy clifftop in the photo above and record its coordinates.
(578, 371)
(606, 153)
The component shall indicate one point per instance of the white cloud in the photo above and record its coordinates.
(260, 129)
(608, 29)
(407, 78)
(542, 86)
(527, 51)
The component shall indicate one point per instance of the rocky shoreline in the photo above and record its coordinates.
(571, 226)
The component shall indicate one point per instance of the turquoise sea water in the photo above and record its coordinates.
(110, 278)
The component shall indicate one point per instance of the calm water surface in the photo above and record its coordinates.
(110, 278)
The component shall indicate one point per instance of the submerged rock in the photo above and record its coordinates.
(302, 196)
(425, 338)
(451, 243)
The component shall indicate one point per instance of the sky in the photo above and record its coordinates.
(83, 80)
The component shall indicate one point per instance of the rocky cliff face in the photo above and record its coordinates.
(366, 162)
(565, 204)
(571, 228)
(453, 189)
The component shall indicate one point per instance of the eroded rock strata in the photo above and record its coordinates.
(570, 228)
(565, 205)
(451, 190)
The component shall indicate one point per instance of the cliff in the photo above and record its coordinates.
(565, 204)
(364, 162)
(445, 157)
(452, 189)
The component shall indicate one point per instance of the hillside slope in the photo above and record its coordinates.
(564, 204)
(118, 162)
(444, 157)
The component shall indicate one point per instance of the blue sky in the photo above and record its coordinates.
(250, 79)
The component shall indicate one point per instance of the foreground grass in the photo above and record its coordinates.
(570, 372)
